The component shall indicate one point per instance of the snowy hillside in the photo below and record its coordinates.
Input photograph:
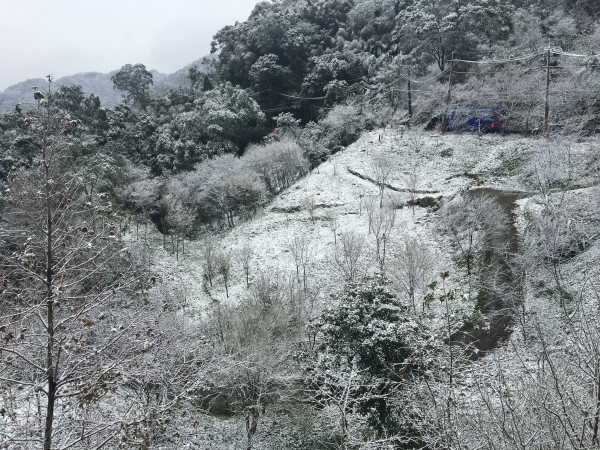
(444, 165)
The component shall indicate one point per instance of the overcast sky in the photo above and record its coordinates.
(65, 37)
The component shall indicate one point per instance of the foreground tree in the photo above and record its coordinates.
(368, 336)
(74, 304)
(56, 288)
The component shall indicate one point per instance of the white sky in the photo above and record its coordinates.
(64, 37)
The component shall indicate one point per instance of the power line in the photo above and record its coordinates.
(574, 55)
(279, 109)
(257, 93)
(556, 51)
(498, 61)
(299, 98)
(439, 75)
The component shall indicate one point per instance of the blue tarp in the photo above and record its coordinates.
(471, 119)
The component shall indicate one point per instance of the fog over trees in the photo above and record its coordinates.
(359, 225)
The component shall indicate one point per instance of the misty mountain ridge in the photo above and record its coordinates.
(96, 83)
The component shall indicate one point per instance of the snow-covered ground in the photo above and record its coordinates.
(444, 165)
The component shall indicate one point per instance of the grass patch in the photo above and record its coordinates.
(220, 412)
(447, 153)
(509, 163)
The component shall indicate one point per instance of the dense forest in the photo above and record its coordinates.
(289, 250)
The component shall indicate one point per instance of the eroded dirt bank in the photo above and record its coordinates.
(497, 319)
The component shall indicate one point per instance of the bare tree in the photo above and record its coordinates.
(224, 189)
(333, 223)
(556, 230)
(72, 297)
(412, 268)
(370, 203)
(142, 194)
(359, 196)
(350, 258)
(178, 219)
(416, 142)
(545, 396)
(177, 214)
(223, 267)
(244, 256)
(310, 206)
(552, 236)
(383, 225)
(257, 370)
(269, 289)
(170, 365)
(301, 249)
(341, 390)
(410, 181)
(474, 223)
(437, 393)
(382, 168)
(512, 288)
(279, 163)
(208, 256)
(294, 246)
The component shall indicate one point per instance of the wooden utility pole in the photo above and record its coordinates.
(409, 100)
(449, 92)
(450, 81)
(363, 100)
(547, 107)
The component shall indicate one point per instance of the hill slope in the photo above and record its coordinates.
(444, 166)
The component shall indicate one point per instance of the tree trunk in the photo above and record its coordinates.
(596, 419)
(304, 276)
(383, 254)
(49, 309)
(251, 425)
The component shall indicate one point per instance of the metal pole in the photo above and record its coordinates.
(547, 107)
